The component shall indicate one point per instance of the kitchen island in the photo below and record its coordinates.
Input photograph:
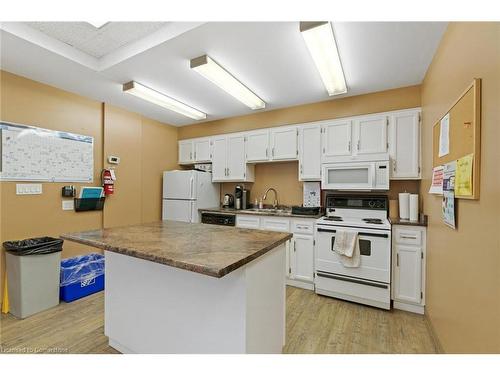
(174, 287)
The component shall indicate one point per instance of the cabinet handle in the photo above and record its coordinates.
(294, 249)
(301, 169)
(357, 147)
(349, 146)
(394, 165)
(409, 237)
(267, 153)
(397, 259)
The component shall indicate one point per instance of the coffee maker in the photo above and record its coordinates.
(241, 197)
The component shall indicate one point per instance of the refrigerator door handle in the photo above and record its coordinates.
(191, 180)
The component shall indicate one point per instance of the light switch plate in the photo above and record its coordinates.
(68, 204)
(28, 189)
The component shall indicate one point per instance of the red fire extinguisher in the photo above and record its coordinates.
(108, 179)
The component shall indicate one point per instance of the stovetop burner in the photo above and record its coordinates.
(373, 221)
(334, 218)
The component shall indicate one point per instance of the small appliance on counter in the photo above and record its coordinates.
(241, 198)
(228, 201)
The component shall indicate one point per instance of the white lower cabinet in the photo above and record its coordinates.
(408, 272)
(299, 250)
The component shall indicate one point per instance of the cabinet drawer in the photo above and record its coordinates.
(408, 236)
(275, 224)
(305, 227)
(248, 222)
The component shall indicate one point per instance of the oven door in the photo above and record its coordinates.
(350, 176)
(375, 249)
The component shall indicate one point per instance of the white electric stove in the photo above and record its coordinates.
(370, 282)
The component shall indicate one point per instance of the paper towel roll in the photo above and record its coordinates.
(404, 206)
(413, 207)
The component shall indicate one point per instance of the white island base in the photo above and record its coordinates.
(154, 308)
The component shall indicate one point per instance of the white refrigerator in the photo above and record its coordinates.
(184, 192)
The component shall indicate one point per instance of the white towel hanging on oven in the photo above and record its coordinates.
(346, 245)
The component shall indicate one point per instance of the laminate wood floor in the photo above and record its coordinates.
(314, 324)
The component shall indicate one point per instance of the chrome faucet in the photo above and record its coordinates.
(264, 197)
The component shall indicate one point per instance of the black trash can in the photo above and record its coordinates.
(33, 267)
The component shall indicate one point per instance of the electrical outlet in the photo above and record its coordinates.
(28, 189)
(68, 204)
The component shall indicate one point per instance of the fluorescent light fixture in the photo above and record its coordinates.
(98, 24)
(162, 100)
(215, 73)
(320, 41)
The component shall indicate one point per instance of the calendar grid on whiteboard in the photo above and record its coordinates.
(34, 154)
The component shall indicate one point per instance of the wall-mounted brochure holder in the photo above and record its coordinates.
(89, 204)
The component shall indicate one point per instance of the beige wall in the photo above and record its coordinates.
(463, 265)
(146, 148)
(284, 176)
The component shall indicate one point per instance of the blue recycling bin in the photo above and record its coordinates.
(81, 276)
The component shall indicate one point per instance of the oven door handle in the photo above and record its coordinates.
(383, 235)
(327, 230)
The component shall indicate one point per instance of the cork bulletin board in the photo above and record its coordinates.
(464, 134)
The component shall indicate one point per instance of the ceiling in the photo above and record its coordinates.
(269, 57)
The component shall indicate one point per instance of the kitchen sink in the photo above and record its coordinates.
(281, 211)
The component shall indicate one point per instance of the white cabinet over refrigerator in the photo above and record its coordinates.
(184, 192)
(404, 141)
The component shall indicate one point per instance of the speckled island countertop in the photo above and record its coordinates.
(282, 213)
(212, 250)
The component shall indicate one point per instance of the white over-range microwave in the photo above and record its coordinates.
(369, 175)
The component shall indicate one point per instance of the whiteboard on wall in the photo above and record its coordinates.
(29, 153)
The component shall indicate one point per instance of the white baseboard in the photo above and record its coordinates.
(417, 309)
(300, 284)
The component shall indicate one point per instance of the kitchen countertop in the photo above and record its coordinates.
(422, 222)
(261, 213)
(212, 250)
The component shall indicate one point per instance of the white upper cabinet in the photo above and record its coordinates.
(236, 164)
(370, 133)
(284, 143)
(228, 159)
(219, 151)
(404, 142)
(257, 146)
(202, 150)
(310, 153)
(186, 152)
(337, 140)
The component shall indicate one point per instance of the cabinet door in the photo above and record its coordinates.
(201, 150)
(371, 135)
(302, 258)
(408, 274)
(336, 139)
(186, 152)
(219, 151)
(236, 164)
(404, 144)
(284, 143)
(310, 153)
(257, 146)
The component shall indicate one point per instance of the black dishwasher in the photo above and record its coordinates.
(218, 218)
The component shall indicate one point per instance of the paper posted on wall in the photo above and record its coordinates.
(448, 203)
(437, 180)
(463, 178)
(312, 194)
(444, 136)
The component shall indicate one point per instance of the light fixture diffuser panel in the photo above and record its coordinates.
(156, 97)
(321, 43)
(216, 74)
